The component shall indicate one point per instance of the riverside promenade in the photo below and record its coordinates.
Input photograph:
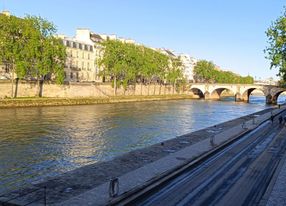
(90, 185)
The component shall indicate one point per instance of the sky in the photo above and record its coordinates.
(231, 33)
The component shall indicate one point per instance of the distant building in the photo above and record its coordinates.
(80, 62)
(188, 66)
(83, 53)
(268, 81)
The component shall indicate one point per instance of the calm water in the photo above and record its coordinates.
(36, 143)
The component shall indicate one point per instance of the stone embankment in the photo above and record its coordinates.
(33, 102)
(89, 185)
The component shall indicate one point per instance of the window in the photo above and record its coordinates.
(71, 75)
(88, 56)
(74, 45)
(91, 48)
(77, 54)
(80, 46)
(87, 65)
(68, 43)
(85, 47)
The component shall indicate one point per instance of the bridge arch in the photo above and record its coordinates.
(276, 95)
(198, 93)
(217, 92)
(246, 94)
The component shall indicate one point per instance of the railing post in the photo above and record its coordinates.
(45, 195)
(113, 187)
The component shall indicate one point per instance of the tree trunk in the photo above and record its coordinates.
(160, 88)
(38, 87)
(141, 88)
(12, 81)
(174, 88)
(16, 88)
(115, 86)
(148, 88)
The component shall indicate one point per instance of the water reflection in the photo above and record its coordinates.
(40, 142)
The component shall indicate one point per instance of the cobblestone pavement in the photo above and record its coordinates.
(278, 194)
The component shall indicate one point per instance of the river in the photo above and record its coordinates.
(41, 142)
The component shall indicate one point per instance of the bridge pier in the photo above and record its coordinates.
(271, 99)
(213, 96)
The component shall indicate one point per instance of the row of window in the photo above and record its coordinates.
(77, 45)
(77, 54)
(75, 75)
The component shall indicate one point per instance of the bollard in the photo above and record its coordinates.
(212, 141)
(113, 187)
(45, 195)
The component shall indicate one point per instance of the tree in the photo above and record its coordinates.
(12, 43)
(205, 71)
(125, 63)
(29, 49)
(175, 72)
(276, 50)
(45, 53)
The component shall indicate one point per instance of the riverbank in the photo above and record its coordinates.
(88, 177)
(44, 101)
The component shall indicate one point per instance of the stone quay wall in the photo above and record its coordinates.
(74, 90)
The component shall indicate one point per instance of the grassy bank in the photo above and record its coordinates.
(44, 101)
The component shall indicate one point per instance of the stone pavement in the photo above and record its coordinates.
(277, 196)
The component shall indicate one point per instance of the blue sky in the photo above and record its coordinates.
(231, 33)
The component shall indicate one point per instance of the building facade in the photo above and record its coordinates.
(188, 66)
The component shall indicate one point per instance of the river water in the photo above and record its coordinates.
(41, 142)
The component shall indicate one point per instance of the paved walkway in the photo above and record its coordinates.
(278, 194)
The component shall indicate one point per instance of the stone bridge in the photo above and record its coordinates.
(241, 92)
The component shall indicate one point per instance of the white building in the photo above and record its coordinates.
(83, 53)
(188, 64)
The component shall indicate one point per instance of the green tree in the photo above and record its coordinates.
(12, 43)
(125, 63)
(29, 49)
(175, 72)
(45, 53)
(205, 71)
(276, 50)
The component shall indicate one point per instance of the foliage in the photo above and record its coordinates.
(276, 51)
(206, 71)
(127, 63)
(29, 48)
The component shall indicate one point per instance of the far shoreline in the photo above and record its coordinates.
(49, 101)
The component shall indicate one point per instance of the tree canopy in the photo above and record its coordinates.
(29, 48)
(127, 63)
(205, 71)
(276, 50)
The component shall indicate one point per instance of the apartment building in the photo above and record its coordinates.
(188, 66)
